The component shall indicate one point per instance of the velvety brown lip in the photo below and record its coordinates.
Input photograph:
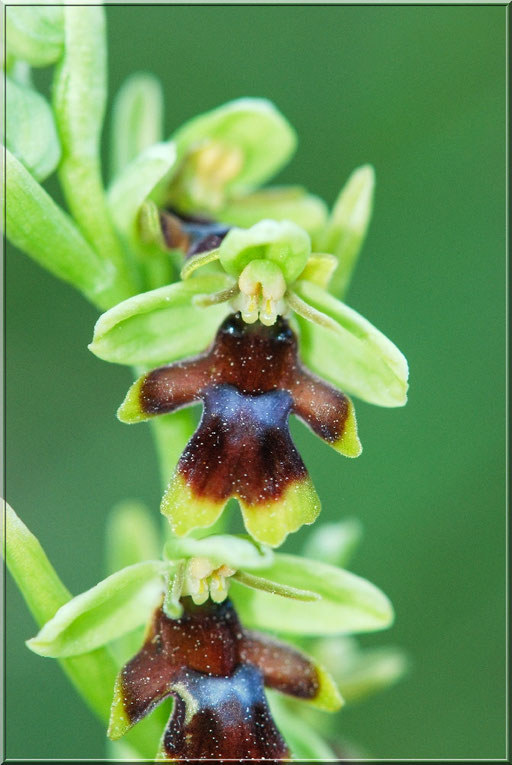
(242, 447)
(254, 359)
(216, 671)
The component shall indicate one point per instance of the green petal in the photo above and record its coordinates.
(118, 604)
(37, 225)
(160, 326)
(348, 224)
(252, 127)
(234, 551)
(354, 356)
(291, 203)
(136, 182)
(35, 33)
(31, 134)
(284, 244)
(137, 119)
(334, 543)
(348, 602)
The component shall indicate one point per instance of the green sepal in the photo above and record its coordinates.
(353, 354)
(257, 135)
(285, 244)
(39, 227)
(334, 543)
(305, 743)
(234, 551)
(137, 119)
(292, 203)
(30, 131)
(118, 604)
(346, 229)
(160, 326)
(348, 603)
(136, 182)
(35, 33)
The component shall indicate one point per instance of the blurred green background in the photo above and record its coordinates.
(419, 92)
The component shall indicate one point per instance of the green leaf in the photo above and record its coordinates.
(355, 356)
(137, 119)
(92, 674)
(35, 33)
(234, 551)
(160, 326)
(284, 244)
(291, 203)
(37, 225)
(136, 182)
(30, 129)
(334, 543)
(231, 150)
(346, 230)
(348, 603)
(131, 536)
(118, 604)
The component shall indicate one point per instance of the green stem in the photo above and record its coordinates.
(79, 104)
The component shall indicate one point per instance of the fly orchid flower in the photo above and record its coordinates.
(196, 649)
(249, 382)
(216, 673)
(209, 171)
(264, 272)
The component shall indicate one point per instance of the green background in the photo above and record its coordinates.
(420, 93)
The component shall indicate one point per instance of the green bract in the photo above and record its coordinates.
(334, 543)
(137, 119)
(30, 129)
(347, 603)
